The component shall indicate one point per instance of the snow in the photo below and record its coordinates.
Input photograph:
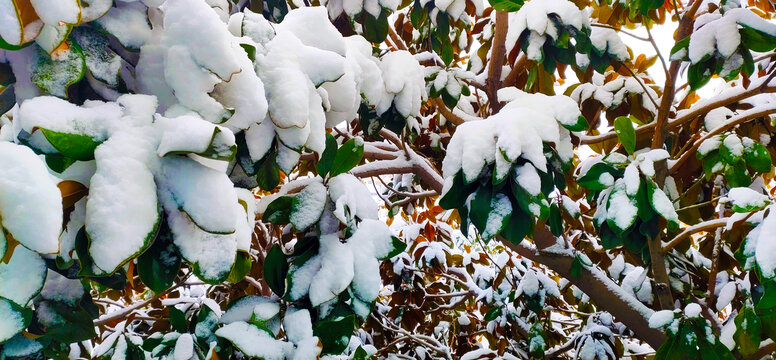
(60, 288)
(734, 145)
(715, 33)
(517, 131)
(122, 184)
(535, 17)
(717, 117)
(632, 179)
(621, 209)
(10, 25)
(745, 198)
(192, 134)
(404, 83)
(501, 210)
(20, 346)
(765, 251)
(30, 202)
(127, 21)
(265, 311)
(206, 196)
(367, 245)
(22, 277)
(212, 254)
(336, 270)
(56, 11)
(528, 178)
(637, 284)
(692, 310)
(351, 198)
(297, 325)
(664, 206)
(661, 319)
(607, 40)
(308, 206)
(254, 342)
(52, 113)
(242, 309)
(529, 284)
(184, 348)
(12, 322)
(726, 295)
(213, 42)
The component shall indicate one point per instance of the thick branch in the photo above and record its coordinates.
(493, 82)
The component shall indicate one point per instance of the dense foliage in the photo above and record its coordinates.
(417, 179)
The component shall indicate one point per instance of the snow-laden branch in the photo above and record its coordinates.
(704, 226)
(734, 121)
(732, 96)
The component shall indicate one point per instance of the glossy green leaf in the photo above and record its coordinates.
(623, 126)
(279, 210)
(178, 320)
(347, 157)
(506, 5)
(335, 334)
(75, 146)
(275, 270)
(327, 157)
(158, 266)
(242, 266)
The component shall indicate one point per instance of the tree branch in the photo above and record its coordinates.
(493, 82)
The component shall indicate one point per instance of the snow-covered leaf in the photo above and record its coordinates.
(746, 200)
(30, 202)
(54, 74)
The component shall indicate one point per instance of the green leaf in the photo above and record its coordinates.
(479, 207)
(56, 76)
(279, 210)
(536, 338)
(623, 126)
(756, 40)
(58, 163)
(158, 266)
(580, 125)
(747, 335)
(268, 172)
(680, 45)
(398, 247)
(556, 221)
(375, 29)
(335, 334)
(736, 175)
(242, 266)
(178, 320)
(506, 5)
(75, 146)
(758, 157)
(347, 157)
(327, 157)
(592, 178)
(447, 56)
(78, 324)
(455, 197)
(275, 270)
(360, 354)
(418, 15)
(519, 226)
(699, 74)
(103, 63)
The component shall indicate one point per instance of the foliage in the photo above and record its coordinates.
(212, 179)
